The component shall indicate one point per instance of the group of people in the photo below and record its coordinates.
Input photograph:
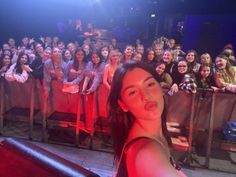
(94, 62)
(133, 75)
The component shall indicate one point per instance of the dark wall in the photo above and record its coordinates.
(209, 33)
(33, 18)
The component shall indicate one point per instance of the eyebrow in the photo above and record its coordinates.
(145, 80)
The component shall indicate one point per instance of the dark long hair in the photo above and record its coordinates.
(18, 63)
(100, 59)
(121, 121)
(209, 80)
(75, 61)
(1, 60)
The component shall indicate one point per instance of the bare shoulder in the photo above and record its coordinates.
(146, 157)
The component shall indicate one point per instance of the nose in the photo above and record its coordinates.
(144, 94)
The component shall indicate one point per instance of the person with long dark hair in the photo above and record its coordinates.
(75, 69)
(5, 63)
(93, 74)
(165, 79)
(38, 63)
(138, 123)
(19, 70)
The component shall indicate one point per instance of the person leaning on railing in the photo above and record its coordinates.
(225, 76)
(53, 70)
(19, 70)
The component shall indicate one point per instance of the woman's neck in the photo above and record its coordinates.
(147, 128)
(114, 64)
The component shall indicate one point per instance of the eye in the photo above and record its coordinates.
(151, 84)
(132, 92)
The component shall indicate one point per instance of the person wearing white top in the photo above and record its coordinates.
(19, 70)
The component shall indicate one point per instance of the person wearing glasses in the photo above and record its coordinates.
(183, 79)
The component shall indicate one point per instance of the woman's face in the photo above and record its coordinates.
(160, 69)
(190, 57)
(39, 48)
(182, 67)
(6, 60)
(221, 63)
(114, 57)
(141, 88)
(86, 48)
(79, 56)
(206, 59)
(167, 57)
(56, 54)
(67, 55)
(47, 54)
(61, 45)
(205, 72)
(158, 50)
(137, 57)
(104, 52)
(23, 59)
(129, 51)
(150, 55)
(140, 49)
(25, 41)
(95, 59)
(71, 47)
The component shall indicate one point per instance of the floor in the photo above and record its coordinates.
(102, 162)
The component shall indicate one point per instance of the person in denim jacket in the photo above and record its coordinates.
(93, 74)
(53, 70)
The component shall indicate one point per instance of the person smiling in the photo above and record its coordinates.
(137, 115)
(225, 76)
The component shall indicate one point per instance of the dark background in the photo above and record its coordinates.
(208, 25)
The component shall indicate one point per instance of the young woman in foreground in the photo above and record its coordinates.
(138, 123)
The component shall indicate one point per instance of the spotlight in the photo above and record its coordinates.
(153, 15)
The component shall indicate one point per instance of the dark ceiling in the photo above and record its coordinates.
(42, 15)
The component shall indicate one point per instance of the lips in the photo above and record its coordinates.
(220, 66)
(151, 106)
